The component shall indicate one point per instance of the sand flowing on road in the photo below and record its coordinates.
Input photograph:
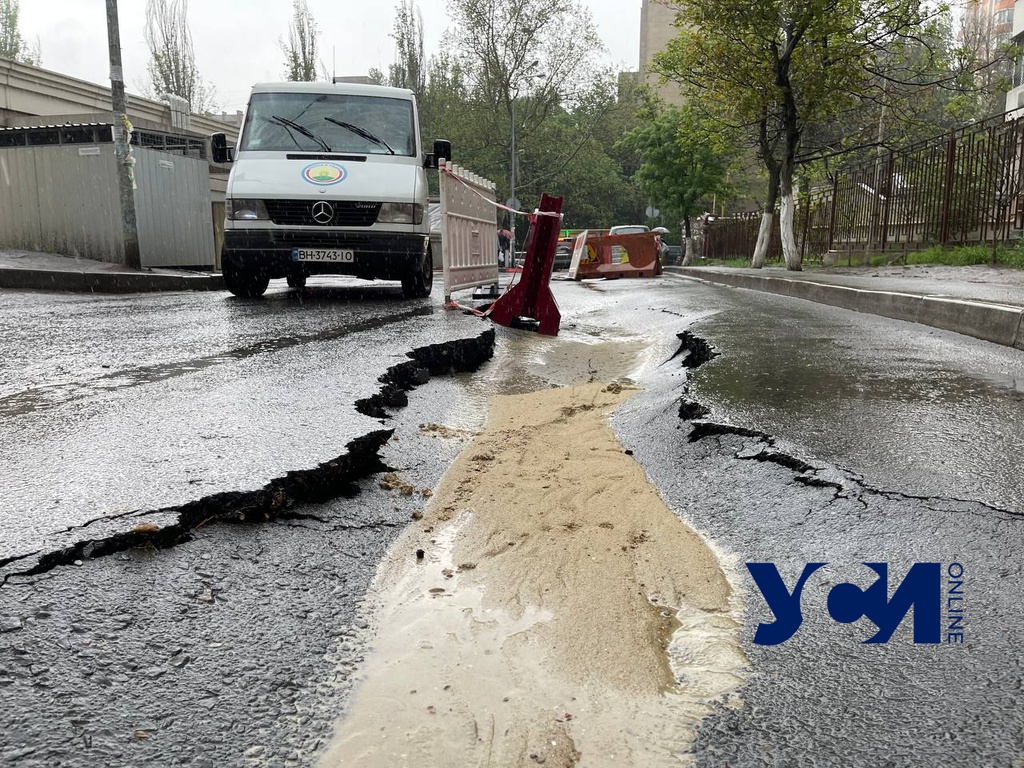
(560, 614)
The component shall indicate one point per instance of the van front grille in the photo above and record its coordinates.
(343, 213)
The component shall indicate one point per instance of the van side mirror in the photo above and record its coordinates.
(442, 148)
(220, 150)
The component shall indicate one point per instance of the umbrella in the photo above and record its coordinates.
(660, 230)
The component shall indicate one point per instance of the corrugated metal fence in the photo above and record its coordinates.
(64, 199)
(965, 187)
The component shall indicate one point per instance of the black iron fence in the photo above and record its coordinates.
(965, 187)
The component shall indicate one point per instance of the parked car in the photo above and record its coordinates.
(636, 229)
(563, 252)
(629, 229)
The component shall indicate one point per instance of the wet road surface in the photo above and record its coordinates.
(239, 647)
(100, 421)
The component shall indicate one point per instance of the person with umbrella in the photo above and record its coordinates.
(504, 243)
(659, 233)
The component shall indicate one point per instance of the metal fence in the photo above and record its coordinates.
(63, 198)
(469, 229)
(100, 133)
(965, 187)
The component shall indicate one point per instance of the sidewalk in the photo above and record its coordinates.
(980, 301)
(52, 272)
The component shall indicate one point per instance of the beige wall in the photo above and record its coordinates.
(26, 92)
(656, 17)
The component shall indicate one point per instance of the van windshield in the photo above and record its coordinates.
(318, 122)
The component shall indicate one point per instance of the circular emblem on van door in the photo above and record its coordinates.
(324, 174)
(322, 212)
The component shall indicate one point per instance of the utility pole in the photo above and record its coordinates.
(121, 147)
(512, 203)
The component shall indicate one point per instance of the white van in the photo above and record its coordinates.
(328, 178)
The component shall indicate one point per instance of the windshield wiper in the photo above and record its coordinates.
(362, 132)
(301, 129)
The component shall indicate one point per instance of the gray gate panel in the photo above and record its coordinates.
(173, 207)
(19, 200)
(79, 206)
(58, 200)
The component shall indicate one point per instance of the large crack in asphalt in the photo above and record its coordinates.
(170, 526)
(761, 447)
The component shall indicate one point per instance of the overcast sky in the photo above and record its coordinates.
(237, 44)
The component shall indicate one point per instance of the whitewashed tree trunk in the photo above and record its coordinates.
(764, 235)
(790, 252)
(687, 251)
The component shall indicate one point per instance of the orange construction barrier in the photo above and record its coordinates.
(614, 256)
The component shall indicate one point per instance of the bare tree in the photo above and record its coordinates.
(12, 44)
(172, 66)
(986, 56)
(410, 69)
(300, 52)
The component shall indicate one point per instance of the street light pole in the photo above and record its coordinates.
(530, 74)
(126, 190)
(512, 182)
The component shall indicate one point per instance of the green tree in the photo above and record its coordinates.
(683, 164)
(12, 44)
(300, 51)
(523, 59)
(779, 67)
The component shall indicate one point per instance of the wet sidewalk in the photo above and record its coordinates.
(980, 301)
(32, 270)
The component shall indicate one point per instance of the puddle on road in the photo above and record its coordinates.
(528, 362)
(37, 398)
(561, 613)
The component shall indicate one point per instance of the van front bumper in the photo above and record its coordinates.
(381, 255)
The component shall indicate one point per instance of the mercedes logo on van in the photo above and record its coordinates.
(322, 212)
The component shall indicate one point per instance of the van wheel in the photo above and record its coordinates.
(417, 285)
(242, 282)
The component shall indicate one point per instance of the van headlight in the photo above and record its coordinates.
(246, 210)
(400, 213)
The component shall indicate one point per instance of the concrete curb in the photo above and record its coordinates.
(991, 322)
(105, 282)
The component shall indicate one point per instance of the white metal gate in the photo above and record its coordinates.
(469, 229)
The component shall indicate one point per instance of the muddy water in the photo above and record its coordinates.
(560, 614)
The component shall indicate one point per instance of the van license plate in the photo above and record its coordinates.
(323, 254)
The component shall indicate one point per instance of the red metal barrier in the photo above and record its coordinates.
(530, 301)
(614, 256)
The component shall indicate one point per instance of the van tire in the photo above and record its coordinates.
(418, 283)
(297, 281)
(244, 283)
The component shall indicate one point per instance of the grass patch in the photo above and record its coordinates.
(1007, 256)
(740, 263)
(959, 256)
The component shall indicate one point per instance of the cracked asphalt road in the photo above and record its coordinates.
(238, 646)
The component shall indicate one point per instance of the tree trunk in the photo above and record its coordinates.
(687, 242)
(764, 234)
(791, 130)
(790, 251)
